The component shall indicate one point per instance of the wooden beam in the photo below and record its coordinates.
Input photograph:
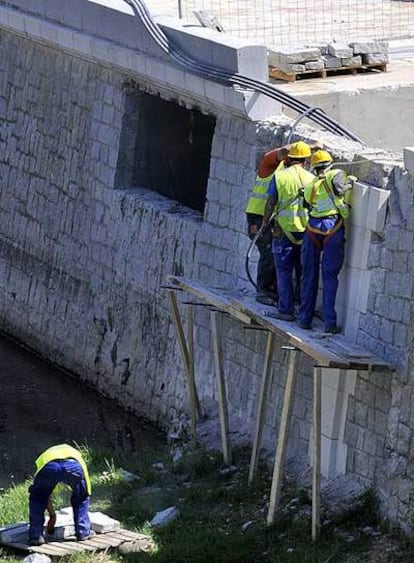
(316, 453)
(194, 404)
(188, 358)
(261, 405)
(221, 386)
(282, 438)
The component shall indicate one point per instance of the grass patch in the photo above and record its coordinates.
(215, 507)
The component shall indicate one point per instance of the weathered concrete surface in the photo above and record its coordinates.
(379, 107)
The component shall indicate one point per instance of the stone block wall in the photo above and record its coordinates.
(82, 263)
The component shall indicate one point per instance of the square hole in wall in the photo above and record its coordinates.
(166, 148)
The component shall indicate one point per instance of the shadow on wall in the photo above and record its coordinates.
(166, 148)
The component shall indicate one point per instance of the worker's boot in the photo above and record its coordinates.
(38, 540)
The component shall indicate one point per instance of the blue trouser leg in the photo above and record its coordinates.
(287, 259)
(266, 275)
(310, 279)
(43, 485)
(332, 261)
(73, 476)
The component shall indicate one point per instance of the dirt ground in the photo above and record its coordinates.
(40, 407)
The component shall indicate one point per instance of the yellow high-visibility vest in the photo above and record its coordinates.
(257, 201)
(290, 213)
(322, 198)
(63, 451)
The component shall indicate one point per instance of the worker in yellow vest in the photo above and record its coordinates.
(266, 292)
(327, 200)
(285, 204)
(59, 464)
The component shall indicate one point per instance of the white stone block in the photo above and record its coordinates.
(331, 410)
(365, 47)
(165, 516)
(351, 323)
(331, 62)
(16, 533)
(37, 558)
(352, 61)
(375, 58)
(341, 51)
(292, 56)
(357, 247)
(409, 159)
(102, 524)
(377, 209)
(360, 204)
(315, 65)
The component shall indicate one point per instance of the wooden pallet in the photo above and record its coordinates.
(323, 72)
(100, 542)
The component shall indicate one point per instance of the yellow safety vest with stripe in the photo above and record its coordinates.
(322, 198)
(257, 201)
(63, 451)
(291, 215)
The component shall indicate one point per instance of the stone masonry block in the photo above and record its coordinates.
(331, 62)
(366, 47)
(409, 159)
(375, 58)
(293, 56)
(339, 50)
(352, 61)
(377, 208)
(102, 524)
(315, 65)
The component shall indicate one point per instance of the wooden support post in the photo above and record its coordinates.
(316, 454)
(261, 405)
(191, 380)
(282, 439)
(188, 358)
(221, 386)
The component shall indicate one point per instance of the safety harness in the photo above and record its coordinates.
(312, 231)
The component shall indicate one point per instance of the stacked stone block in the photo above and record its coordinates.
(330, 56)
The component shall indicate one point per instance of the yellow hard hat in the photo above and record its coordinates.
(299, 150)
(320, 157)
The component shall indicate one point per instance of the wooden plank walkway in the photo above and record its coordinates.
(327, 350)
(278, 74)
(100, 542)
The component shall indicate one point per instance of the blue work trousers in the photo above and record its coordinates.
(332, 249)
(286, 255)
(69, 472)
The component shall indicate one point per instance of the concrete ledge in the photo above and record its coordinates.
(211, 47)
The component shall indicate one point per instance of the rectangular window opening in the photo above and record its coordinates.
(166, 148)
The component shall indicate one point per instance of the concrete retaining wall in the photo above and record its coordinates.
(82, 263)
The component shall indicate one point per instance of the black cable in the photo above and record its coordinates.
(205, 71)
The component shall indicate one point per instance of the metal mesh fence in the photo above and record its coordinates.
(308, 22)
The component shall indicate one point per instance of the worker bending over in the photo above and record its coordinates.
(59, 464)
(325, 198)
(285, 204)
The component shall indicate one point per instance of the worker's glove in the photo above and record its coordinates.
(350, 181)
